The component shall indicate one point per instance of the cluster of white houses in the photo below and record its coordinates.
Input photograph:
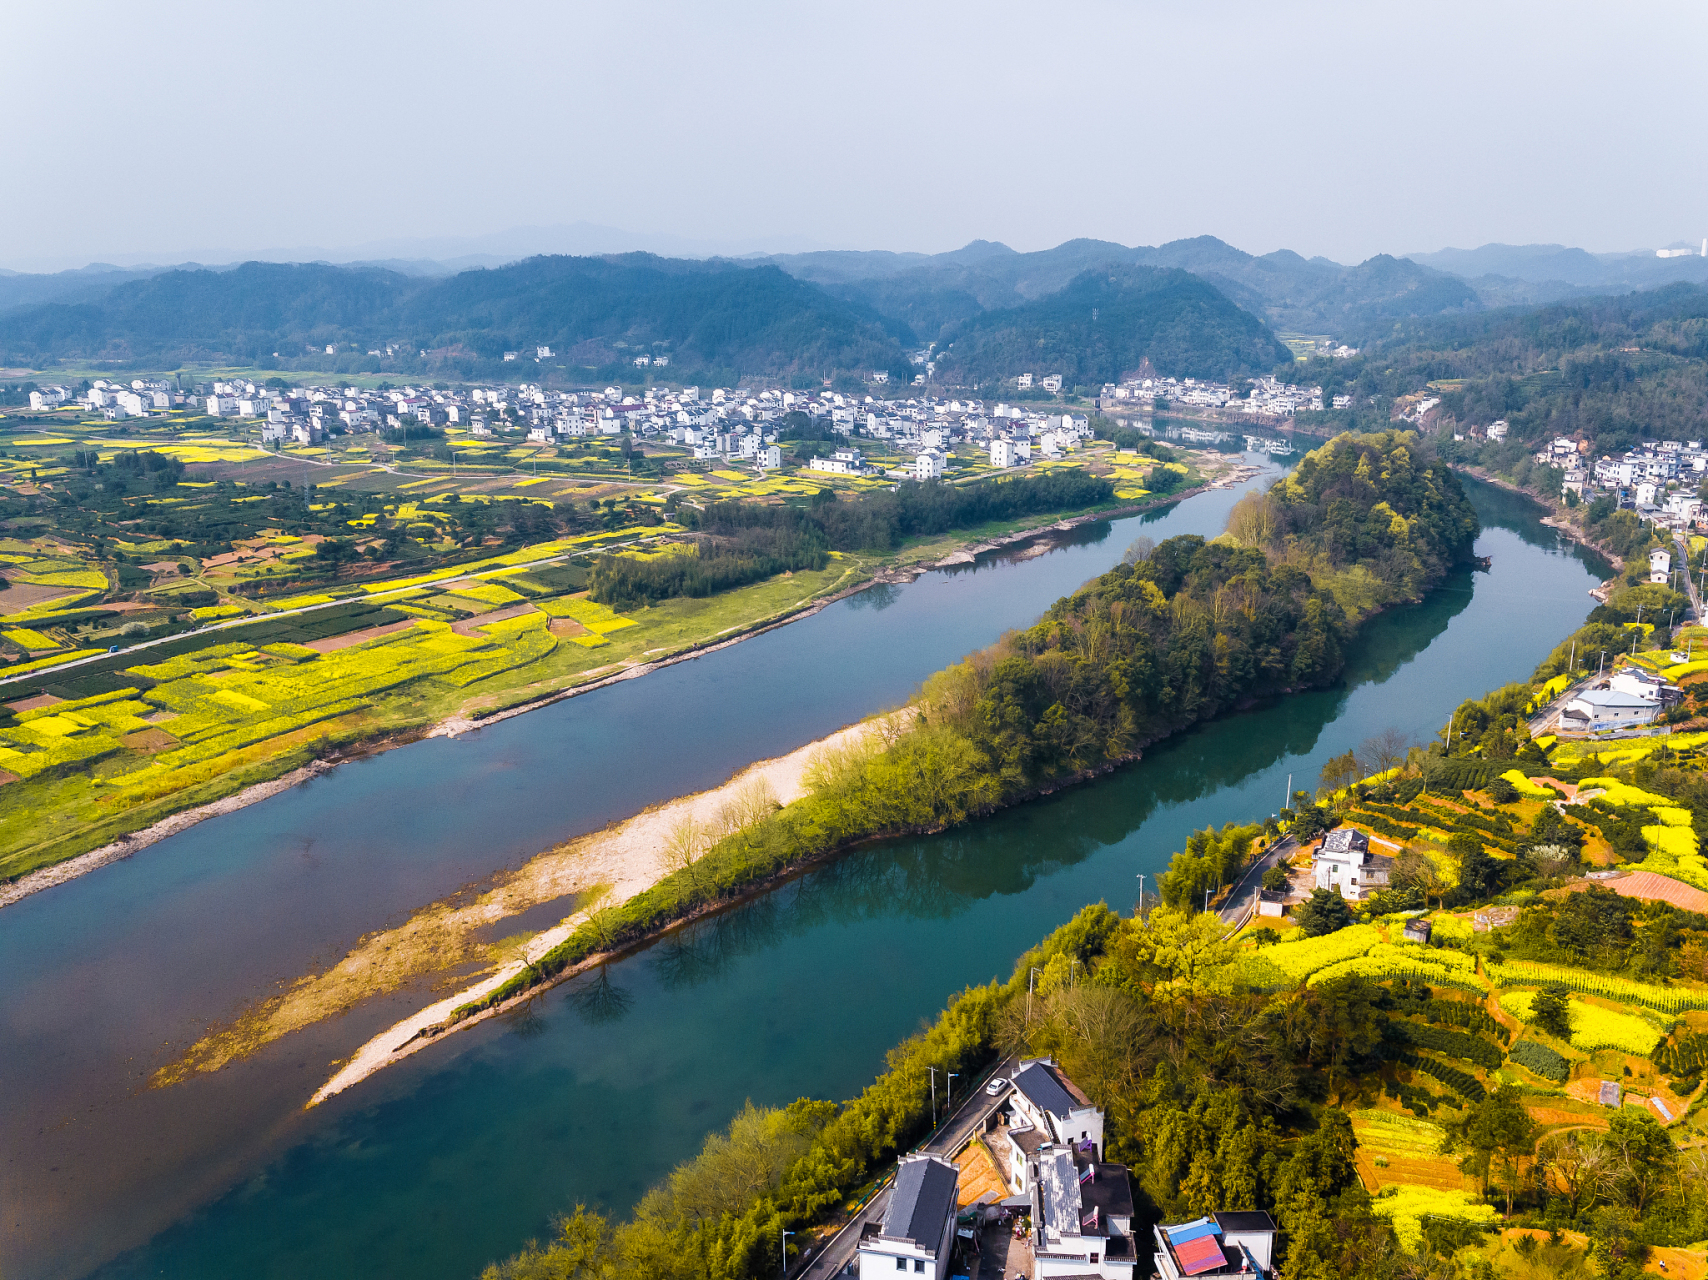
(722, 423)
(1049, 1137)
(1658, 480)
(1266, 396)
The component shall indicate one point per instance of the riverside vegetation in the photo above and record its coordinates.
(1180, 632)
(1403, 1110)
(417, 611)
(1375, 1118)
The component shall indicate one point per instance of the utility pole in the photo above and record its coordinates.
(1287, 799)
(1141, 895)
(1029, 986)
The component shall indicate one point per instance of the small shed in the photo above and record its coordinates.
(1417, 930)
(1611, 1095)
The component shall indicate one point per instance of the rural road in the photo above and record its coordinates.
(1244, 894)
(961, 1125)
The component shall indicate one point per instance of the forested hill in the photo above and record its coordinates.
(1190, 628)
(1609, 371)
(592, 311)
(1106, 323)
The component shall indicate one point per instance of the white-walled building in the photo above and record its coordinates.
(917, 1231)
(1047, 1109)
(928, 465)
(1660, 559)
(1345, 864)
(1082, 1217)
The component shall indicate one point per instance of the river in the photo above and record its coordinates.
(459, 1153)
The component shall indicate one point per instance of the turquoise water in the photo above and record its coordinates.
(463, 1151)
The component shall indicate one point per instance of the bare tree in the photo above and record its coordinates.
(1383, 751)
(600, 915)
(1139, 551)
(684, 845)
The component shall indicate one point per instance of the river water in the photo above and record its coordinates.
(461, 1152)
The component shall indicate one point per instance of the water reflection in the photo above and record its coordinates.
(596, 999)
(877, 597)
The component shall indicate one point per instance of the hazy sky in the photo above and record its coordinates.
(172, 129)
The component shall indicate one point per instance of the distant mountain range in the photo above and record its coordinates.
(933, 293)
(594, 311)
(1088, 309)
(1505, 274)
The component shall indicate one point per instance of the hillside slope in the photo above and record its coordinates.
(1107, 323)
(745, 319)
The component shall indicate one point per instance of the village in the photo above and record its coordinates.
(718, 426)
(1016, 1185)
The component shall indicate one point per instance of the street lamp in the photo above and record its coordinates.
(949, 1091)
(783, 1245)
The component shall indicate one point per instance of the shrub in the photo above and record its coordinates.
(1462, 1083)
(1538, 1058)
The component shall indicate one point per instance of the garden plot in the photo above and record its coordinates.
(1396, 1149)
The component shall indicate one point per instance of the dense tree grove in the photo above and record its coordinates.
(744, 542)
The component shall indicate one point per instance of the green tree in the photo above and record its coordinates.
(1323, 912)
(1479, 874)
(1645, 1158)
(1500, 1129)
(1550, 1011)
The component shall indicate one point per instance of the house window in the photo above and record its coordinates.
(901, 1264)
(919, 1264)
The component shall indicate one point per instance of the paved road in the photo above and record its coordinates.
(1689, 582)
(968, 1119)
(1244, 895)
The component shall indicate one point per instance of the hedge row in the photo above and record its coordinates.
(1465, 1085)
(1455, 1044)
(1542, 1060)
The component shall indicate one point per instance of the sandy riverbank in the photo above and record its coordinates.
(616, 863)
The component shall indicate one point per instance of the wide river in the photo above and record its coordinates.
(463, 1151)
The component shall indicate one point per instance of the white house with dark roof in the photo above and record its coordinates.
(1607, 709)
(1047, 1108)
(917, 1232)
(1345, 864)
